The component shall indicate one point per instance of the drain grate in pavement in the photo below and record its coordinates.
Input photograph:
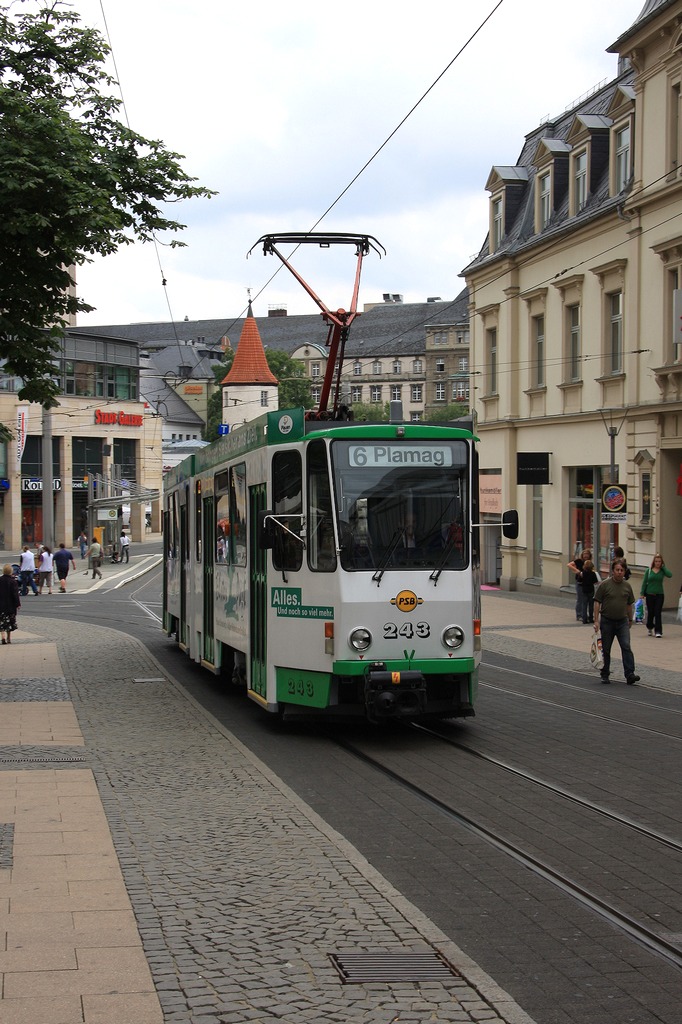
(364, 968)
(150, 679)
(41, 760)
(6, 844)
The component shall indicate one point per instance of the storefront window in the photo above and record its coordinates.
(585, 527)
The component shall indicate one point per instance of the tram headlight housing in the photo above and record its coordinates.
(452, 637)
(360, 639)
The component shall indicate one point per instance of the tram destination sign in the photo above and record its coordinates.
(369, 455)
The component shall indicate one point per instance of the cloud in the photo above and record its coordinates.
(279, 107)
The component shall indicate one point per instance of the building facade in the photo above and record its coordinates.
(101, 426)
(575, 350)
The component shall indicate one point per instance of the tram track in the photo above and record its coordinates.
(628, 701)
(669, 949)
(552, 787)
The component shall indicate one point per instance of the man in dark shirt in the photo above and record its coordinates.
(614, 605)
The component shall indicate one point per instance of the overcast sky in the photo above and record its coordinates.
(278, 106)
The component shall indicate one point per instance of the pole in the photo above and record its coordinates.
(613, 433)
(48, 481)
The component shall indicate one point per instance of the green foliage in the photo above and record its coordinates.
(372, 412)
(74, 182)
(447, 413)
(294, 387)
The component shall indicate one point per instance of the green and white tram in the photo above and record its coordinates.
(331, 568)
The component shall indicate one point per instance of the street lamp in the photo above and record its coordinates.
(613, 429)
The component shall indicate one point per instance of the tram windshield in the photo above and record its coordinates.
(402, 503)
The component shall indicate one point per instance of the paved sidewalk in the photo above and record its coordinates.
(152, 869)
(545, 631)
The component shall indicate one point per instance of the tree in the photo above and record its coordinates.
(294, 387)
(74, 182)
(447, 413)
(373, 412)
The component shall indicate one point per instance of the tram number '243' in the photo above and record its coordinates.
(406, 631)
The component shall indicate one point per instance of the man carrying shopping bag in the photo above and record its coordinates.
(614, 604)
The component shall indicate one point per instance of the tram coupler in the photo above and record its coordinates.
(394, 694)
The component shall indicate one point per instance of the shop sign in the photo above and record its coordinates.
(193, 389)
(32, 483)
(4, 483)
(614, 503)
(104, 418)
(22, 431)
(490, 493)
(532, 468)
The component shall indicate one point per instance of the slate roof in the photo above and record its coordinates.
(185, 361)
(388, 329)
(165, 401)
(520, 234)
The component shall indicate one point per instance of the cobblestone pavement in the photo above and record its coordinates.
(240, 892)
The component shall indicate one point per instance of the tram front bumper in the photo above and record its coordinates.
(394, 694)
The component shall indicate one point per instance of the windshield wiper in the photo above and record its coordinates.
(381, 568)
(447, 551)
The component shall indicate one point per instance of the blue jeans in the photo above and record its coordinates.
(26, 581)
(616, 629)
(579, 601)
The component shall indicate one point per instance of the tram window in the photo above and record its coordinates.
(173, 532)
(321, 548)
(197, 519)
(222, 517)
(402, 505)
(238, 514)
(287, 498)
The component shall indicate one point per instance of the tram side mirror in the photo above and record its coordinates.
(510, 524)
(266, 529)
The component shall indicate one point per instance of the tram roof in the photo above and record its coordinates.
(290, 425)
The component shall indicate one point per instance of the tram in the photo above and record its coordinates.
(331, 568)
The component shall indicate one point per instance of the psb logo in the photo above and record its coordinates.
(406, 601)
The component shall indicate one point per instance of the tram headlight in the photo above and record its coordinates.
(452, 637)
(360, 639)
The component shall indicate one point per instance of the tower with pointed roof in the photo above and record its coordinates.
(250, 388)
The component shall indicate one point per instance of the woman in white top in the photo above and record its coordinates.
(45, 567)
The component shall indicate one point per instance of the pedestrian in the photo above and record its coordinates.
(27, 571)
(619, 553)
(124, 545)
(83, 543)
(45, 569)
(95, 556)
(10, 603)
(62, 560)
(652, 592)
(588, 581)
(577, 566)
(614, 606)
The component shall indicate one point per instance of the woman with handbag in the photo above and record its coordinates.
(652, 592)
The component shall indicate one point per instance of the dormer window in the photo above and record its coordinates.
(497, 223)
(623, 159)
(621, 163)
(589, 138)
(579, 181)
(544, 199)
(507, 187)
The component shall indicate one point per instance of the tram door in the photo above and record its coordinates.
(182, 638)
(258, 597)
(208, 545)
